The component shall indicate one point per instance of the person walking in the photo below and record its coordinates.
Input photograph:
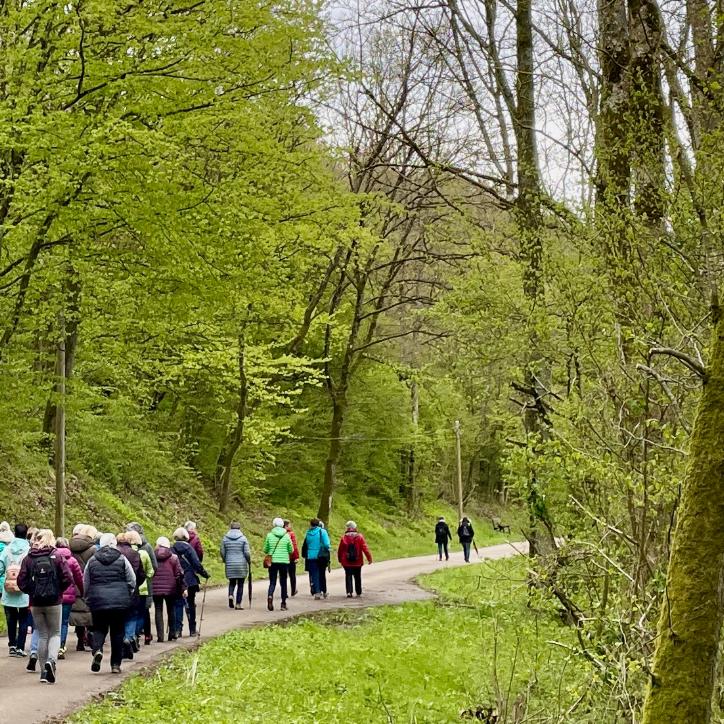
(316, 544)
(168, 585)
(442, 536)
(351, 553)
(108, 581)
(194, 540)
(143, 599)
(126, 549)
(278, 550)
(236, 555)
(44, 576)
(146, 546)
(83, 548)
(325, 562)
(192, 569)
(465, 536)
(15, 602)
(293, 560)
(62, 548)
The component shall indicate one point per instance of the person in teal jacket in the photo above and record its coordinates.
(16, 603)
(316, 553)
(279, 546)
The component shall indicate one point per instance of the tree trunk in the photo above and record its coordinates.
(339, 407)
(687, 649)
(234, 438)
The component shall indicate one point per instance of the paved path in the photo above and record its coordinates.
(24, 699)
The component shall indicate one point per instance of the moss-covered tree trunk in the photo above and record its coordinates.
(687, 648)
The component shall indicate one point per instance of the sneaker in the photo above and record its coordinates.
(135, 646)
(20, 653)
(358, 595)
(61, 653)
(32, 661)
(239, 607)
(325, 594)
(284, 606)
(349, 595)
(147, 640)
(317, 596)
(12, 651)
(127, 649)
(115, 669)
(294, 592)
(49, 671)
(96, 663)
(44, 677)
(231, 602)
(80, 646)
(270, 603)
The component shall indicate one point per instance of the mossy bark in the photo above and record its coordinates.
(686, 657)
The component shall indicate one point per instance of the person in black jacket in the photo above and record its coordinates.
(465, 536)
(442, 536)
(192, 568)
(108, 582)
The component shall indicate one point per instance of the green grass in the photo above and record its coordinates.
(480, 645)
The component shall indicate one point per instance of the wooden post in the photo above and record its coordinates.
(460, 469)
(59, 462)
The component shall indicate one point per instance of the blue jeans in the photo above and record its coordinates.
(131, 623)
(440, 548)
(314, 570)
(65, 617)
(466, 551)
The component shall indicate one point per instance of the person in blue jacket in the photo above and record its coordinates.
(316, 553)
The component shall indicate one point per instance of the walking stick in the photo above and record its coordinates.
(249, 582)
(203, 604)
(476, 548)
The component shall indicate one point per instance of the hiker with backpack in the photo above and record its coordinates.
(351, 554)
(144, 545)
(125, 547)
(143, 600)
(293, 560)
(465, 536)
(15, 602)
(109, 581)
(44, 576)
(168, 586)
(278, 551)
(62, 548)
(236, 555)
(442, 536)
(83, 548)
(192, 569)
(315, 551)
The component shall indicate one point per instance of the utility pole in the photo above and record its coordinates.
(59, 462)
(460, 470)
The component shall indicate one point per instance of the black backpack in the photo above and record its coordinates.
(44, 583)
(441, 530)
(351, 554)
(465, 530)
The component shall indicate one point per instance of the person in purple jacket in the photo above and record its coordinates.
(168, 585)
(194, 540)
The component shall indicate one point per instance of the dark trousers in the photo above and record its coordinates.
(292, 570)
(313, 569)
(323, 562)
(190, 607)
(280, 570)
(353, 575)
(113, 620)
(238, 584)
(466, 550)
(442, 547)
(158, 603)
(17, 620)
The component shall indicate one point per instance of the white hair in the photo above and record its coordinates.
(190, 525)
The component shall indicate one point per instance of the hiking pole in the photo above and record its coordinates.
(476, 548)
(203, 604)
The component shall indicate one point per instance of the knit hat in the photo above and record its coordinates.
(278, 522)
(108, 539)
(351, 525)
(163, 542)
(181, 534)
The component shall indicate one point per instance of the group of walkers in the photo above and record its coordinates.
(105, 584)
(102, 584)
(282, 553)
(466, 536)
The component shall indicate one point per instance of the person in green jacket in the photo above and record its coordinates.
(278, 545)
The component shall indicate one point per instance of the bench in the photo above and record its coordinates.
(498, 525)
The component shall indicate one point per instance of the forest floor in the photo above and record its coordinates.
(386, 583)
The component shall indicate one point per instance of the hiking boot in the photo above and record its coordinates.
(239, 607)
(49, 671)
(115, 669)
(231, 602)
(284, 606)
(32, 661)
(96, 663)
(127, 649)
(270, 603)
(61, 653)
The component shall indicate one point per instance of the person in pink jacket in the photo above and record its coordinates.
(62, 549)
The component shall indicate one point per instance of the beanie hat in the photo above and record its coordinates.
(163, 542)
(108, 539)
(351, 525)
(278, 522)
(181, 534)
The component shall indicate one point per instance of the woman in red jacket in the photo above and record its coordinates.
(350, 554)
